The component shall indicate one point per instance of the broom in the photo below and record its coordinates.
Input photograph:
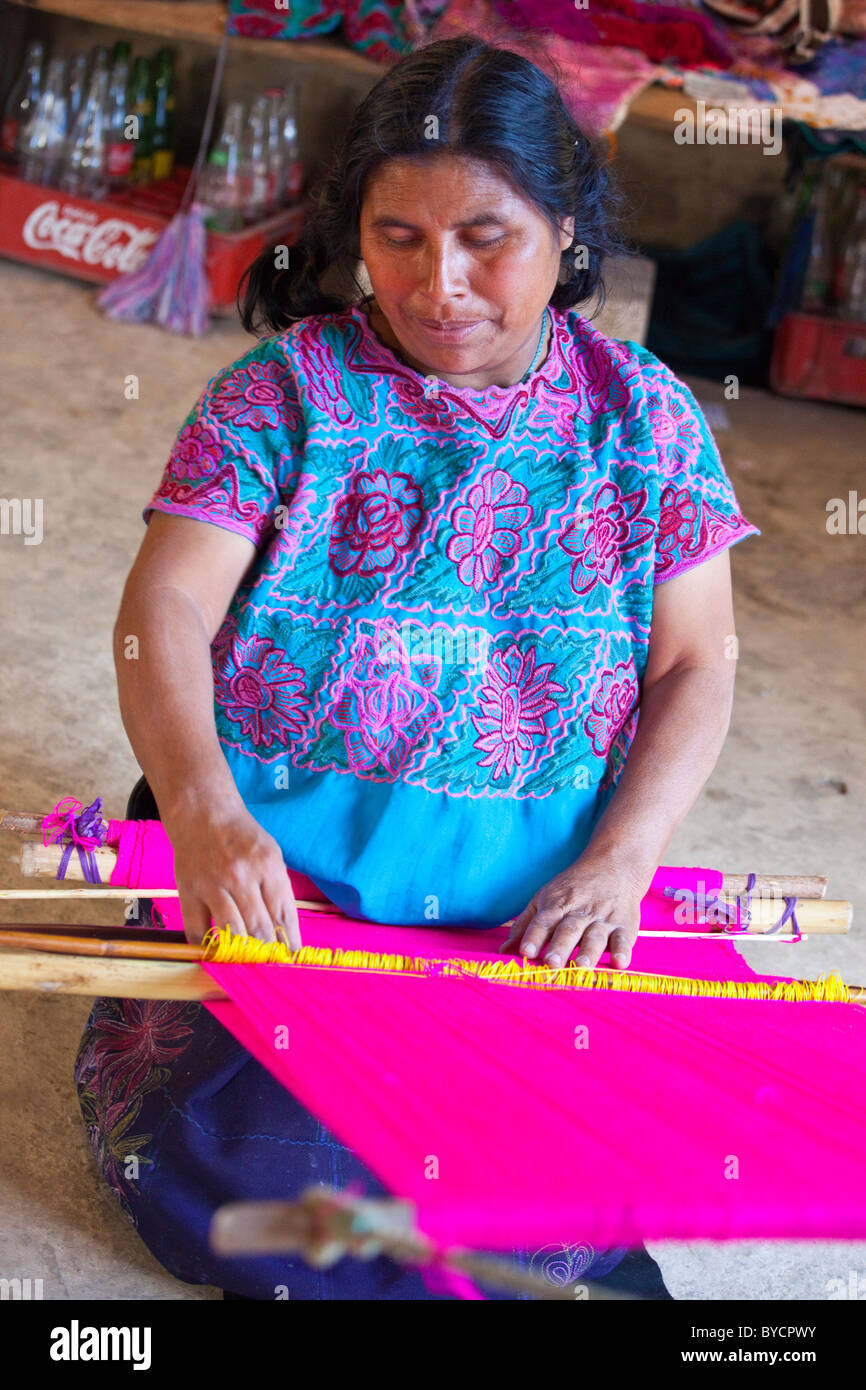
(171, 288)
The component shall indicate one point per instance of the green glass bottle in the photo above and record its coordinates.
(141, 105)
(123, 50)
(163, 114)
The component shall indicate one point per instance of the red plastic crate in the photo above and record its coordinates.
(100, 240)
(820, 358)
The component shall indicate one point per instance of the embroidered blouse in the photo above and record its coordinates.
(428, 682)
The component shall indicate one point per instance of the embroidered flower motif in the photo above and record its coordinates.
(675, 430)
(385, 703)
(375, 522)
(197, 451)
(256, 396)
(598, 540)
(677, 516)
(613, 700)
(562, 1264)
(149, 1033)
(298, 513)
(514, 699)
(261, 690)
(488, 528)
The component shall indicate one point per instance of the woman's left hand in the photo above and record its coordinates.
(592, 905)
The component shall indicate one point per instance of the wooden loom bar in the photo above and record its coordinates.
(176, 975)
(43, 861)
(822, 916)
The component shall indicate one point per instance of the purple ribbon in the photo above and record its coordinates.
(80, 828)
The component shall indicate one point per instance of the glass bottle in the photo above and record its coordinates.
(44, 148)
(77, 86)
(21, 102)
(293, 168)
(254, 161)
(120, 148)
(141, 105)
(221, 189)
(86, 167)
(163, 114)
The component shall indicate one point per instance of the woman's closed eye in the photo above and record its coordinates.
(478, 245)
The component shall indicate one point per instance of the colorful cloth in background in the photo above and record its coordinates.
(663, 32)
(597, 84)
(428, 684)
(380, 29)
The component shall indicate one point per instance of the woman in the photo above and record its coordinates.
(454, 540)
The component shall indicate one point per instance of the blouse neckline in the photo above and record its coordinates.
(379, 354)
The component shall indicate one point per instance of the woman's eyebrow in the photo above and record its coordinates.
(481, 219)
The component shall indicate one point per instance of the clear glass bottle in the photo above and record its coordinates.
(44, 148)
(293, 169)
(22, 100)
(220, 190)
(77, 85)
(254, 160)
(274, 150)
(86, 167)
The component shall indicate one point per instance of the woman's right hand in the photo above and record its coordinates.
(227, 867)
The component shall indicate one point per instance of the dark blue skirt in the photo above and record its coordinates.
(182, 1119)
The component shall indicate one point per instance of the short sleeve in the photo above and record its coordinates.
(231, 459)
(699, 515)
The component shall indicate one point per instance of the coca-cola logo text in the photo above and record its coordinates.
(112, 243)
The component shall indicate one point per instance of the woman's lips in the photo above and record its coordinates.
(450, 332)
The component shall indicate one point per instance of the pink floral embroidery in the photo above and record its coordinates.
(150, 1034)
(298, 512)
(613, 700)
(256, 26)
(259, 396)
(197, 451)
(597, 540)
(488, 528)
(677, 516)
(375, 522)
(385, 703)
(675, 430)
(514, 699)
(261, 690)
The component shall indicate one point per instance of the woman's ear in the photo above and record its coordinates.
(566, 236)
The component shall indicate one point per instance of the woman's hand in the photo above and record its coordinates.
(593, 905)
(228, 868)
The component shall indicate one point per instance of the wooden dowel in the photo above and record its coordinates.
(786, 885)
(142, 978)
(118, 947)
(50, 973)
(38, 860)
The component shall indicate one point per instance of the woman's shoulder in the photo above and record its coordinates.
(589, 346)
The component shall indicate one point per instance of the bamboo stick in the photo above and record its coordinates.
(38, 860)
(823, 916)
(50, 973)
(57, 972)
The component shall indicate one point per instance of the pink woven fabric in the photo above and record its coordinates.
(667, 1118)
(678, 1118)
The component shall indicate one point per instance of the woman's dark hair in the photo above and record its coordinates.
(490, 104)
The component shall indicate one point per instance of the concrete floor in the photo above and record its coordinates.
(786, 796)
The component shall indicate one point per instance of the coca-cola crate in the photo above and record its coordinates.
(821, 358)
(100, 240)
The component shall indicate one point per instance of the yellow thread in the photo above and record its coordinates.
(222, 947)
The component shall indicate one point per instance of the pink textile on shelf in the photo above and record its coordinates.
(681, 1118)
(598, 84)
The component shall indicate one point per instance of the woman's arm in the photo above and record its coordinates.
(175, 599)
(685, 711)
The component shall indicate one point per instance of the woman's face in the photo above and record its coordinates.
(449, 241)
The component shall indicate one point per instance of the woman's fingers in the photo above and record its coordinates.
(620, 946)
(280, 903)
(518, 926)
(544, 924)
(592, 945)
